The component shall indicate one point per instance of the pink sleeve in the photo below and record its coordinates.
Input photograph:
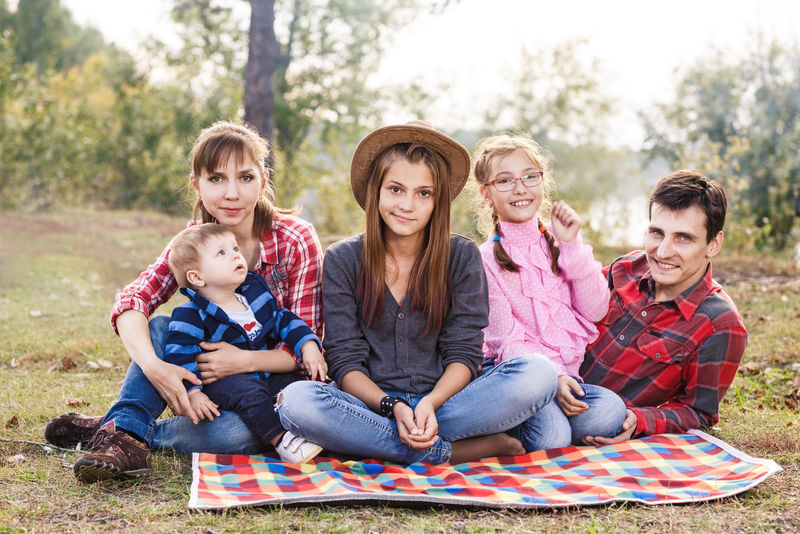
(588, 286)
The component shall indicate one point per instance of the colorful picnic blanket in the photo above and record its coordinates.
(667, 468)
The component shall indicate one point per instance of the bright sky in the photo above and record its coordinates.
(474, 45)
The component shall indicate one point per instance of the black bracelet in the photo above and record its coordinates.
(387, 405)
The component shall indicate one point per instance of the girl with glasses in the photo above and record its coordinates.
(546, 290)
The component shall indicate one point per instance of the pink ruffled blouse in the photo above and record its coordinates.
(536, 312)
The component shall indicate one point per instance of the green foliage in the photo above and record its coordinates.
(738, 120)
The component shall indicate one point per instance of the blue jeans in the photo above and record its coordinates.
(501, 398)
(550, 428)
(139, 405)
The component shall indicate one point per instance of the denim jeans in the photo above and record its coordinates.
(139, 405)
(550, 428)
(501, 398)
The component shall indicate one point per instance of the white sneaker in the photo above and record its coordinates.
(296, 449)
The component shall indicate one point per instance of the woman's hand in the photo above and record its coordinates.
(565, 221)
(222, 359)
(568, 387)
(168, 381)
(628, 429)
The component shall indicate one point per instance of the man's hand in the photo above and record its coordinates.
(567, 386)
(628, 428)
(313, 361)
(168, 381)
(565, 221)
(204, 407)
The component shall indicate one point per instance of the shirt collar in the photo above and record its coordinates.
(688, 301)
(520, 234)
(267, 254)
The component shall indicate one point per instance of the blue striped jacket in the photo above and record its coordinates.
(202, 320)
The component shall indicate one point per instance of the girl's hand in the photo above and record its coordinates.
(427, 425)
(168, 381)
(204, 407)
(220, 360)
(566, 222)
(406, 426)
(313, 361)
(567, 386)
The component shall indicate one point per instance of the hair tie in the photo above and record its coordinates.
(496, 238)
(543, 229)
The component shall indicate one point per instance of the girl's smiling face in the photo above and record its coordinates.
(231, 190)
(406, 199)
(521, 203)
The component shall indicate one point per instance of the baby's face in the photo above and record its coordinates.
(222, 264)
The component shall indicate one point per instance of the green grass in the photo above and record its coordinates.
(68, 267)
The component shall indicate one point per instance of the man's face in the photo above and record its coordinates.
(677, 251)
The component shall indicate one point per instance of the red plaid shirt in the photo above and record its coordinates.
(671, 362)
(290, 261)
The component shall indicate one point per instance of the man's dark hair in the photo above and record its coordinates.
(683, 189)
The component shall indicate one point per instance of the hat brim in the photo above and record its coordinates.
(379, 140)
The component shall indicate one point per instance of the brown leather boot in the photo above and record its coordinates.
(70, 429)
(115, 454)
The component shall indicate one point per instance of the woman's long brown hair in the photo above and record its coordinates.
(429, 282)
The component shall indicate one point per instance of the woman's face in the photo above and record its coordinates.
(406, 199)
(521, 203)
(230, 192)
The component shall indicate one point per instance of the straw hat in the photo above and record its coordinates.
(422, 132)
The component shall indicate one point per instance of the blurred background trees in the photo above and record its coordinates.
(84, 123)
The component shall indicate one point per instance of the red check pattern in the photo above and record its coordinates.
(664, 469)
(290, 262)
(671, 362)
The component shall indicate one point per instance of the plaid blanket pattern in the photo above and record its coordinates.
(667, 468)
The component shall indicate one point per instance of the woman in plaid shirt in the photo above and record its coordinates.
(231, 182)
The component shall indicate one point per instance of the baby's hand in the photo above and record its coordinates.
(202, 405)
(566, 222)
(568, 388)
(313, 361)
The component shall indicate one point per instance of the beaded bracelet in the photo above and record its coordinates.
(387, 405)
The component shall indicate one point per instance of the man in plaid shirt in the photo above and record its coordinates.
(672, 340)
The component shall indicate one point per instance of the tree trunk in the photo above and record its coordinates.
(259, 94)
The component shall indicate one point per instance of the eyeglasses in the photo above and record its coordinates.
(532, 179)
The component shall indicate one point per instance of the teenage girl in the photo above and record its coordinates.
(404, 304)
(546, 290)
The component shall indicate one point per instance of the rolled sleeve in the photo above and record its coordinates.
(461, 336)
(346, 349)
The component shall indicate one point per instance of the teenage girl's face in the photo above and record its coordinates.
(230, 192)
(522, 203)
(406, 199)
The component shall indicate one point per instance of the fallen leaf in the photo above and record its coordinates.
(14, 460)
(67, 364)
(14, 363)
(13, 421)
(36, 313)
(775, 358)
(93, 365)
(796, 381)
(105, 363)
(790, 423)
(77, 403)
(750, 367)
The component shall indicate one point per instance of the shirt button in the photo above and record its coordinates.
(400, 315)
(416, 380)
(644, 314)
(622, 337)
(658, 354)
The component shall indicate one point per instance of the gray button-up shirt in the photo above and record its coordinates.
(394, 351)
